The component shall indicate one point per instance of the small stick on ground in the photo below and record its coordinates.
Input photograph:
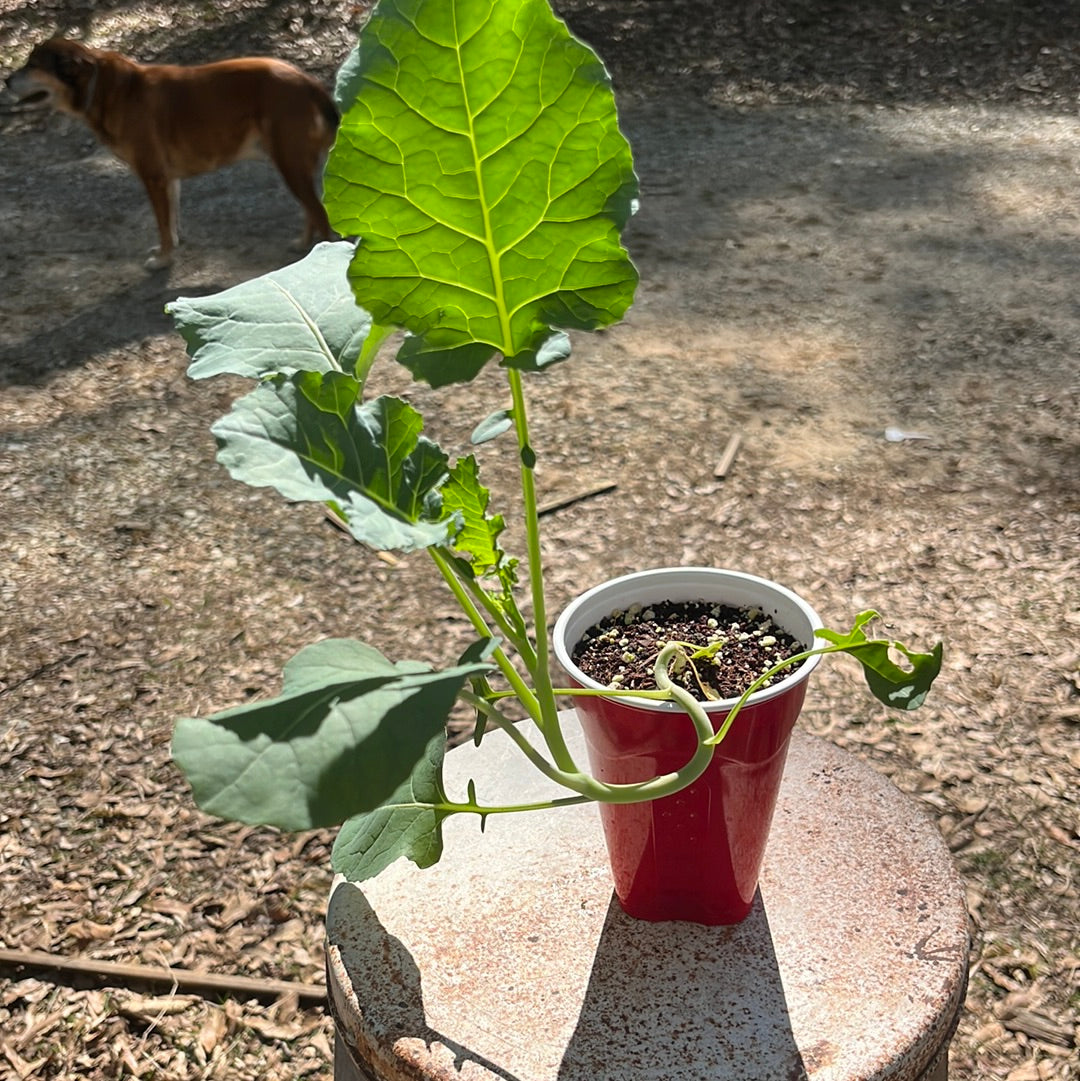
(727, 459)
(558, 504)
(180, 978)
(336, 520)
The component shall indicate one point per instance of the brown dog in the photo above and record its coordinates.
(168, 122)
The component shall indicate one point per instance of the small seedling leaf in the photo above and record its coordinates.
(492, 426)
(478, 539)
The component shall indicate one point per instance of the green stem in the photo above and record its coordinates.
(521, 689)
(760, 682)
(519, 737)
(664, 784)
(481, 599)
(638, 792)
(497, 809)
(549, 710)
(612, 692)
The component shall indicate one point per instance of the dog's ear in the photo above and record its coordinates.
(76, 70)
(73, 67)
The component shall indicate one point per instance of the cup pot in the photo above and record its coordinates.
(695, 855)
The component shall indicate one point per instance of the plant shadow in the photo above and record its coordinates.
(372, 955)
(677, 999)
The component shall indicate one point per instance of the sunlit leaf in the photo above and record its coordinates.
(481, 161)
(480, 532)
(478, 539)
(302, 317)
(310, 438)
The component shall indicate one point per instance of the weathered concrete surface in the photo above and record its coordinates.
(512, 960)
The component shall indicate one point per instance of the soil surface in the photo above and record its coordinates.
(858, 242)
(723, 649)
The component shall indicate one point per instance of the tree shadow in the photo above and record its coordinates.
(72, 282)
(657, 1007)
(125, 315)
(851, 50)
(280, 28)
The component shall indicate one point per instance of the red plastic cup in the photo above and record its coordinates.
(695, 855)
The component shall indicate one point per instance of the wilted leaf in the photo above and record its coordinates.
(213, 1029)
(895, 686)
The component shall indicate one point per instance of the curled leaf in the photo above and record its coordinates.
(492, 426)
(901, 688)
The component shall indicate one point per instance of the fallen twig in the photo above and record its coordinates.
(340, 523)
(558, 504)
(727, 459)
(181, 978)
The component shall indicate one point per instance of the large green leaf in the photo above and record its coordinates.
(303, 317)
(342, 738)
(481, 162)
(309, 437)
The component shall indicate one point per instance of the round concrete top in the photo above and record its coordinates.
(512, 960)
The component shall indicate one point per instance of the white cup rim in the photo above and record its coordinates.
(688, 583)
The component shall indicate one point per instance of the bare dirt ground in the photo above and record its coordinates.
(854, 217)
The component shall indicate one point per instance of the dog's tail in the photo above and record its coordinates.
(330, 114)
(325, 104)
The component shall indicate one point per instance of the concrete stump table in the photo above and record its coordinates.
(512, 961)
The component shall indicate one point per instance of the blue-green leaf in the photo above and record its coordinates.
(481, 161)
(409, 824)
(310, 438)
(492, 426)
(302, 317)
(341, 739)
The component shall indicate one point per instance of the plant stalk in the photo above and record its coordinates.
(521, 689)
(549, 711)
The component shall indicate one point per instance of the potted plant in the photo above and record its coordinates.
(480, 162)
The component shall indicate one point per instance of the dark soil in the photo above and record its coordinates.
(737, 644)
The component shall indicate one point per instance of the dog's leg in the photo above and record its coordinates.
(299, 178)
(164, 196)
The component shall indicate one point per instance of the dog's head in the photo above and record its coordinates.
(59, 73)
